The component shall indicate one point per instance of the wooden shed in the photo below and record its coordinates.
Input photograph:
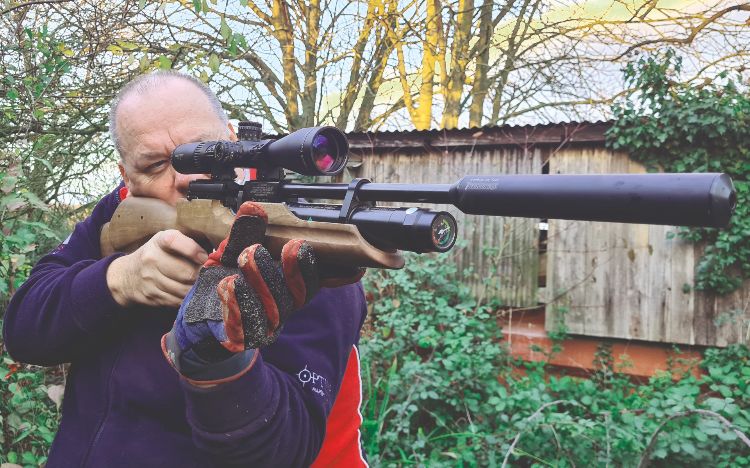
(608, 280)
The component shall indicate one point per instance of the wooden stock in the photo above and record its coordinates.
(136, 220)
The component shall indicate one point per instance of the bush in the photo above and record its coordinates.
(687, 127)
(29, 411)
(431, 364)
(440, 389)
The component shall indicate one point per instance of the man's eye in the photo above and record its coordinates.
(157, 165)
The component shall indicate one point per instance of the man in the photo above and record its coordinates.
(247, 392)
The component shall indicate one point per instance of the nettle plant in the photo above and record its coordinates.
(684, 127)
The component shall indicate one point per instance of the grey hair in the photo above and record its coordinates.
(148, 82)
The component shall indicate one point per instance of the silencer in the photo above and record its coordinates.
(692, 199)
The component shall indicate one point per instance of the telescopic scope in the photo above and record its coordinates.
(312, 151)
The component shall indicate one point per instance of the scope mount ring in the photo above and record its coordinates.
(351, 201)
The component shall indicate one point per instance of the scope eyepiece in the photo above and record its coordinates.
(308, 151)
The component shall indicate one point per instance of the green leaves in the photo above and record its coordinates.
(200, 6)
(225, 30)
(214, 62)
(679, 127)
(236, 42)
(165, 63)
(29, 418)
(442, 390)
(441, 354)
(20, 235)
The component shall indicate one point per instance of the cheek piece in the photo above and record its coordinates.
(241, 300)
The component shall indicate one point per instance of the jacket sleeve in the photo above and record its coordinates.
(275, 414)
(65, 305)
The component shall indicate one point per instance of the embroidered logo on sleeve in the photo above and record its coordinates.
(315, 382)
(62, 245)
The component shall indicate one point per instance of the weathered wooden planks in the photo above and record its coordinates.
(630, 281)
(501, 251)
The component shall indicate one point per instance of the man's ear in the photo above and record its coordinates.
(124, 174)
(232, 134)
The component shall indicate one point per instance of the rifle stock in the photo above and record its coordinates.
(208, 222)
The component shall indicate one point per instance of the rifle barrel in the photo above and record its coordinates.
(691, 199)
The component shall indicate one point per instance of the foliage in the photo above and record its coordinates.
(53, 94)
(50, 135)
(433, 357)
(21, 235)
(29, 417)
(432, 362)
(441, 390)
(680, 127)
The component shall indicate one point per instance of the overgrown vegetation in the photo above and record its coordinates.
(433, 357)
(29, 411)
(683, 127)
(45, 150)
(22, 231)
(442, 390)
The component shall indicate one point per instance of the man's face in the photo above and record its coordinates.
(152, 125)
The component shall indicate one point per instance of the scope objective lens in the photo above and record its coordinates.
(321, 153)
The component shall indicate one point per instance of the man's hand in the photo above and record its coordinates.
(159, 273)
(240, 302)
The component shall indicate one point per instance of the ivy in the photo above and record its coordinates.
(678, 127)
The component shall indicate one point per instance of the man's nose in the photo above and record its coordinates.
(182, 182)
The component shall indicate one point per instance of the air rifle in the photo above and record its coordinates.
(359, 233)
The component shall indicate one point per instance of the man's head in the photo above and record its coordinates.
(151, 116)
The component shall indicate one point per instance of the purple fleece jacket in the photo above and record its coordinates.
(125, 406)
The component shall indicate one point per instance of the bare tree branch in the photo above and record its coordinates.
(31, 3)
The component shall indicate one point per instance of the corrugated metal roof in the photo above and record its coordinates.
(492, 127)
(556, 133)
(491, 135)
